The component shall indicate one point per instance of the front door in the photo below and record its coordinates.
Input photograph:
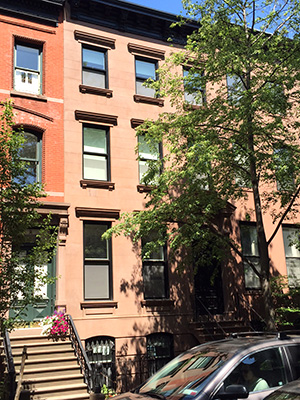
(208, 286)
(43, 307)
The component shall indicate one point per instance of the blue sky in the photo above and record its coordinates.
(171, 6)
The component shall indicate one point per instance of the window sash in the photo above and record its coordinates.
(250, 251)
(31, 153)
(292, 256)
(28, 67)
(95, 153)
(97, 262)
(94, 69)
(145, 69)
(192, 97)
(154, 278)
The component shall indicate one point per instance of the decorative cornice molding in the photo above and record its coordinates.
(95, 90)
(97, 212)
(96, 39)
(137, 49)
(148, 100)
(84, 183)
(95, 117)
(135, 122)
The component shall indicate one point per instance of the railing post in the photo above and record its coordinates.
(10, 366)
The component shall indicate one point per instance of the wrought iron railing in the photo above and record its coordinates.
(80, 352)
(10, 366)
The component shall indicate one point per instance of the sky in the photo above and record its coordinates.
(171, 6)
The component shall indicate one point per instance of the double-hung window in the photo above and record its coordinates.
(31, 154)
(94, 67)
(28, 68)
(147, 153)
(292, 255)
(145, 69)
(194, 94)
(97, 262)
(250, 251)
(155, 274)
(235, 87)
(96, 153)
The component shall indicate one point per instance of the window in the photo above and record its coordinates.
(101, 354)
(155, 274)
(159, 351)
(28, 68)
(96, 153)
(250, 251)
(292, 255)
(234, 88)
(31, 153)
(259, 371)
(193, 93)
(147, 153)
(94, 67)
(97, 262)
(284, 169)
(145, 69)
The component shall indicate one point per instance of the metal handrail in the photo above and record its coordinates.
(248, 305)
(212, 317)
(83, 360)
(10, 366)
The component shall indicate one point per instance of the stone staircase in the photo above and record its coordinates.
(206, 329)
(51, 368)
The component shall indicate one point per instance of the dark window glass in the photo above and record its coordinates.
(145, 69)
(94, 67)
(192, 94)
(97, 262)
(27, 57)
(31, 154)
(250, 251)
(155, 274)
(95, 153)
(101, 354)
(259, 371)
(159, 351)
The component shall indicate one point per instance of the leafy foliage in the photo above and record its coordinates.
(21, 226)
(244, 136)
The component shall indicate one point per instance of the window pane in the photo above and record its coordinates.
(145, 69)
(145, 151)
(93, 59)
(259, 371)
(289, 235)
(93, 78)
(143, 168)
(143, 90)
(154, 281)
(29, 147)
(251, 279)
(27, 82)
(96, 282)
(94, 246)
(249, 240)
(94, 140)
(95, 167)
(27, 57)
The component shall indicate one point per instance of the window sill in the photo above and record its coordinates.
(144, 188)
(84, 183)
(40, 97)
(188, 106)
(148, 100)
(95, 90)
(99, 304)
(163, 303)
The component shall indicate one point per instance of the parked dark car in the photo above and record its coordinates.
(290, 391)
(238, 367)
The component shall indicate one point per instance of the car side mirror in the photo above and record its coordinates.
(232, 392)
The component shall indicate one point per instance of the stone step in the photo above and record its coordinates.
(49, 372)
(63, 390)
(18, 345)
(80, 396)
(40, 354)
(47, 363)
(57, 379)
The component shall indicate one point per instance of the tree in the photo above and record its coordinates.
(21, 272)
(244, 133)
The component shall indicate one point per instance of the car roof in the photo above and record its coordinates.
(238, 343)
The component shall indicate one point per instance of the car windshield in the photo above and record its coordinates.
(187, 374)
